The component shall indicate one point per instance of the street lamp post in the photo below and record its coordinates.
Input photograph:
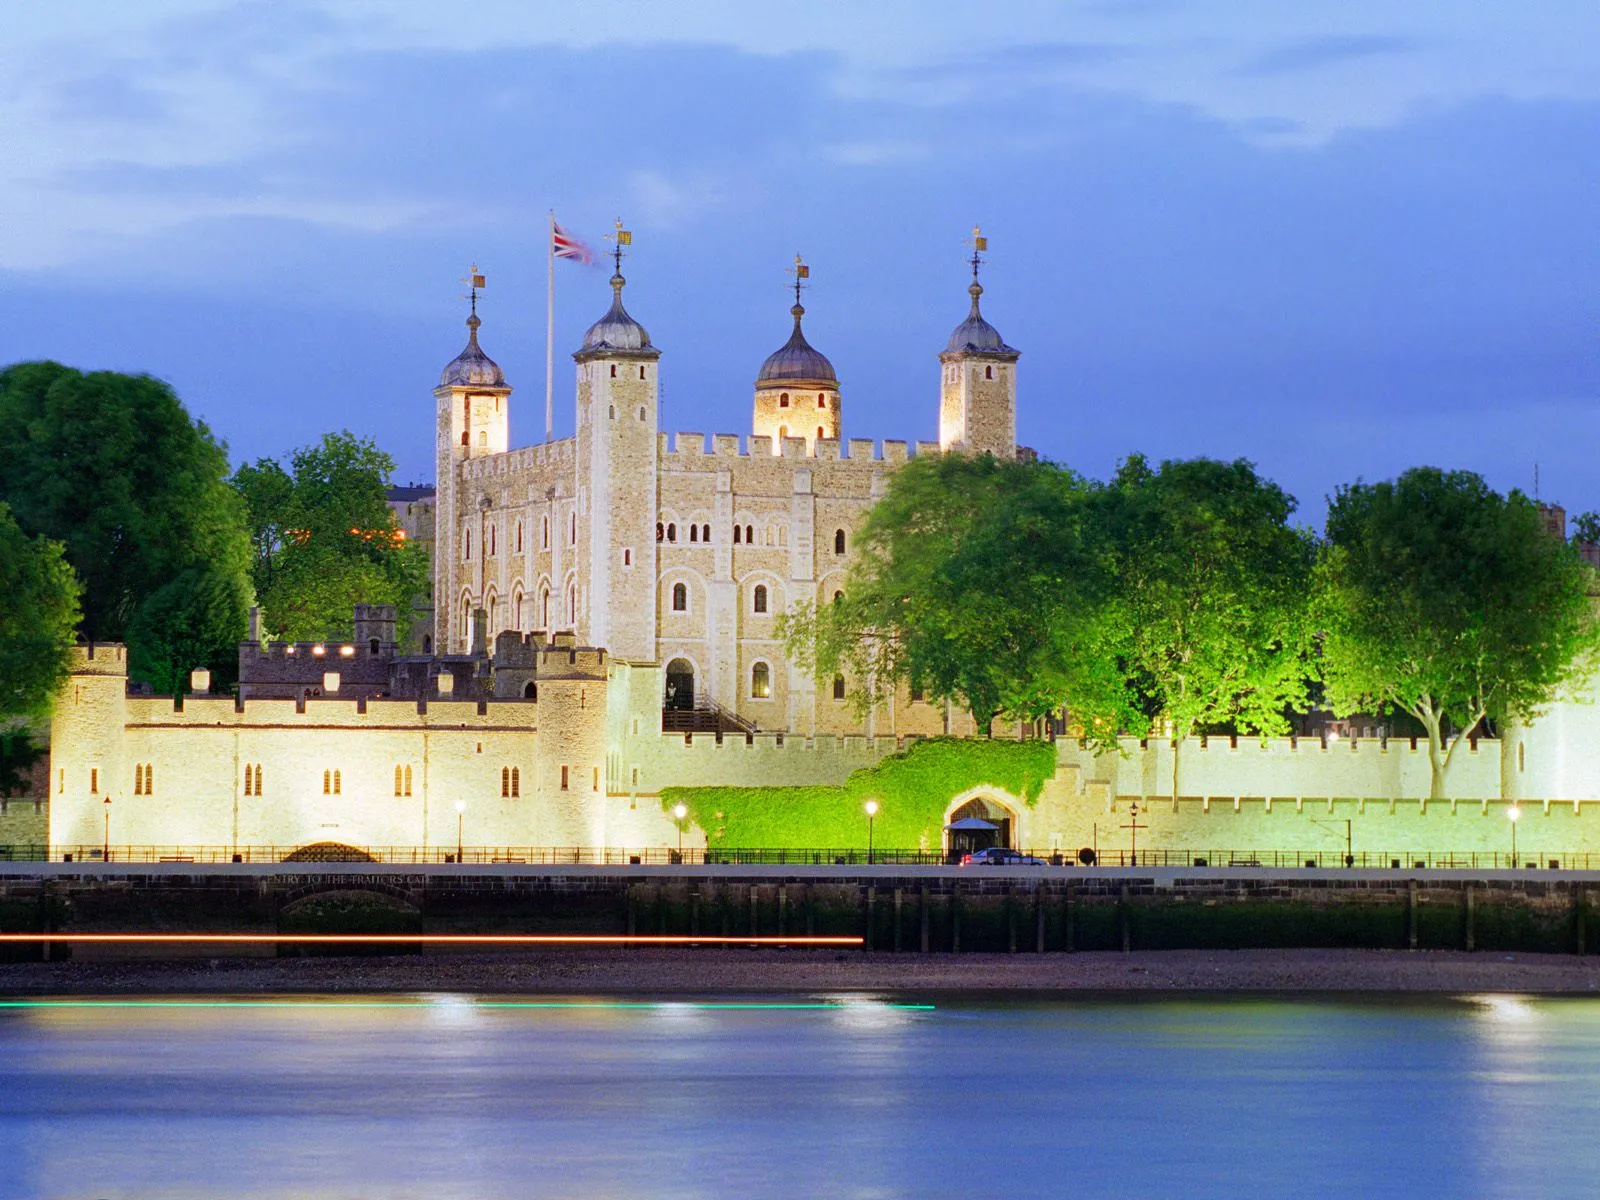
(679, 812)
(871, 807)
(461, 817)
(105, 854)
(1513, 814)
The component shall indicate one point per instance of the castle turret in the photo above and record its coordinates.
(88, 754)
(472, 404)
(797, 392)
(978, 388)
(570, 746)
(618, 416)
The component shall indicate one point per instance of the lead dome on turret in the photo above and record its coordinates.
(472, 367)
(797, 359)
(975, 335)
(617, 330)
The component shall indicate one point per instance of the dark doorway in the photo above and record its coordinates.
(680, 686)
(974, 814)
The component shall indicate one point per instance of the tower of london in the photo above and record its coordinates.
(678, 557)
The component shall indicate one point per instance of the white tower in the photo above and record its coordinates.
(797, 392)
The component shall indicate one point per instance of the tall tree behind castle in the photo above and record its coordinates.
(323, 539)
(114, 468)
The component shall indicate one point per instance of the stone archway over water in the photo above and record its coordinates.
(328, 852)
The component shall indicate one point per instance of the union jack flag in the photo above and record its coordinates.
(564, 245)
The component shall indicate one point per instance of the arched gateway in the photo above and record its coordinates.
(979, 819)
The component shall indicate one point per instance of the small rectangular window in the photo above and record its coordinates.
(597, 779)
(563, 779)
(94, 779)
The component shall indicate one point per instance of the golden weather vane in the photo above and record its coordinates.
(799, 273)
(620, 238)
(979, 244)
(475, 282)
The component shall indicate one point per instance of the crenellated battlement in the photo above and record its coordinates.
(686, 447)
(561, 454)
(103, 658)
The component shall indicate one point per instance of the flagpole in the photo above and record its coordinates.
(550, 330)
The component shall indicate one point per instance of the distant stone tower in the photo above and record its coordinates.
(797, 392)
(978, 388)
(618, 416)
(569, 749)
(473, 403)
(88, 748)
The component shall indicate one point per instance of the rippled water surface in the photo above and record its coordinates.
(445, 1096)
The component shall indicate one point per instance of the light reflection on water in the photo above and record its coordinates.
(449, 1096)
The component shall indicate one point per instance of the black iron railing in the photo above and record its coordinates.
(791, 856)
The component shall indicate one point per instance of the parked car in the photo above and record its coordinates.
(1000, 856)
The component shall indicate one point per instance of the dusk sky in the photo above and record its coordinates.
(1339, 239)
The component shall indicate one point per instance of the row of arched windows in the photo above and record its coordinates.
(493, 542)
(330, 783)
(252, 779)
(510, 782)
(402, 781)
(144, 779)
(822, 400)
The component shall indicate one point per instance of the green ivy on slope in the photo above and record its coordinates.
(912, 789)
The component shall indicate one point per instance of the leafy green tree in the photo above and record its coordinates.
(1586, 528)
(183, 625)
(960, 585)
(38, 616)
(115, 469)
(1446, 600)
(1207, 624)
(324, 539)
(19, 752)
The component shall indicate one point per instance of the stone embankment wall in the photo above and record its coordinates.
(909, 909)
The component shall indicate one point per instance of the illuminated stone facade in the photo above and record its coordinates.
(678, 556)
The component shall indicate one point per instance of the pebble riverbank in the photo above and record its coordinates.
(713, 971)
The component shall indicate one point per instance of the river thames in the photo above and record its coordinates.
(458, 1096)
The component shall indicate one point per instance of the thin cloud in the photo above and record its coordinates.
(1314, 54)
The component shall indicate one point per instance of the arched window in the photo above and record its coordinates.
(544, 533)
(519, 537)
(530, 690)
(821, 433)
(705, 533)
(838, 596)
(516, 782)
(505, 781)
(399, 780)
(988, 372)
(838, 541)
(680, 597)
(750, 534)
(694, 533)
(761, 682)
(661, 531)
(408, 781)
(738, 535)
(822, 399)
(672, 531)
(327, 783)
(783, 400)
(544, 608)
(613, 370)
(336, 787)
(838, 687)
(516, 609)
(572, 604)
(466, 543)
(760, 604)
